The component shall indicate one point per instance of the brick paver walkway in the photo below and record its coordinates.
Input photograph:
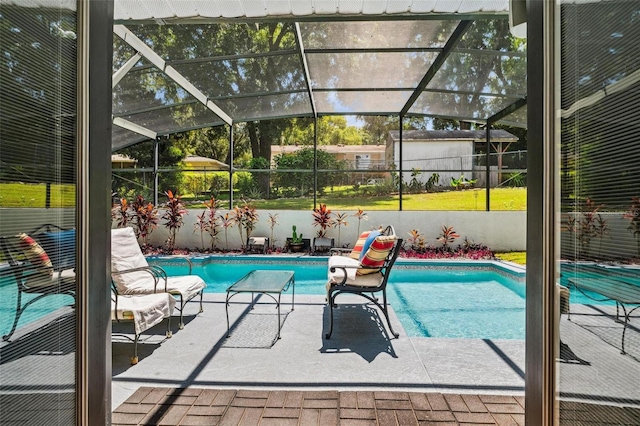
(172, 407)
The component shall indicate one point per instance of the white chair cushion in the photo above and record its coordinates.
(147, 310)
(186, 285)
(370, 280)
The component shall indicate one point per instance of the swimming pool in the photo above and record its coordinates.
(431, 299)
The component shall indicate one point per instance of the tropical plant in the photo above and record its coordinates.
(633, 214)
(146, 218)
(322, 219)
(415, 185)
(360, 215)
(417, 241)
(120, 213)
(462, 182)
(447, 236)
(201, 225)
(246, 218)
(226, 221)
(272, 221)
(590, 225)
(212, 225)
(433, 180)
(173, 216)
(339, 221)
(601, 230)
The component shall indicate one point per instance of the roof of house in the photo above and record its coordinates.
(497, 135)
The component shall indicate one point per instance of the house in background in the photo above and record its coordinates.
(119, 161)
(450, 153)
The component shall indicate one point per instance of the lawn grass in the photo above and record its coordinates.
(345, 198)
(474, 199)
(519, 257)
(34, 195)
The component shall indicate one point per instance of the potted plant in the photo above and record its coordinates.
(322, 219)
(296, 244)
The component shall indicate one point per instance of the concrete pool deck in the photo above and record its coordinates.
(424, 379)
(358, 357)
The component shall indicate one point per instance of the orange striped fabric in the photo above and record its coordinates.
(377, 253)
(357, 249)
(35, 254)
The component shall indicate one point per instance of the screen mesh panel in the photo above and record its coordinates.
(267, 107)
(383, 69)
(38, 201)
(243, 76)
(360, 102)
(147, 88)
(169, 120)
(517, 118)
(459, 105)
(482, 72)
(376, 34)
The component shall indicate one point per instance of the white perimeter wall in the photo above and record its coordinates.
(500, 231)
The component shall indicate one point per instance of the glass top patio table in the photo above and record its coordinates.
(260, 281)
(265, 282)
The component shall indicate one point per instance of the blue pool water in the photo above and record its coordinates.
(35, 311)
(430, 299)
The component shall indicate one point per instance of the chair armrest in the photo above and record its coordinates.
(344, 272)
(156, 273)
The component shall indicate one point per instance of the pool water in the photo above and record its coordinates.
(35, 311)
(438, 300)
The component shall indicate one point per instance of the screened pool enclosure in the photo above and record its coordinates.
(206, 66)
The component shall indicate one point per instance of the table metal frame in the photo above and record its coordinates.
(231, 291)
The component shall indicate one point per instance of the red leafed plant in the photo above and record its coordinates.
(447, 236)
(173, 216)
(121, 213)
(633, 214)
(322, 218)
(146, 218)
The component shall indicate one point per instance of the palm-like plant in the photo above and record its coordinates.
(272, 220)
(226, 221)
(360, 215)
(212, 220)
(201, 225)
(339, 221)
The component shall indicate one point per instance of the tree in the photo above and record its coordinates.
(38, 75)
(301, 177)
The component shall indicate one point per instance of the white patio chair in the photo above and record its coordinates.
(144, 310)
(132, 274)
